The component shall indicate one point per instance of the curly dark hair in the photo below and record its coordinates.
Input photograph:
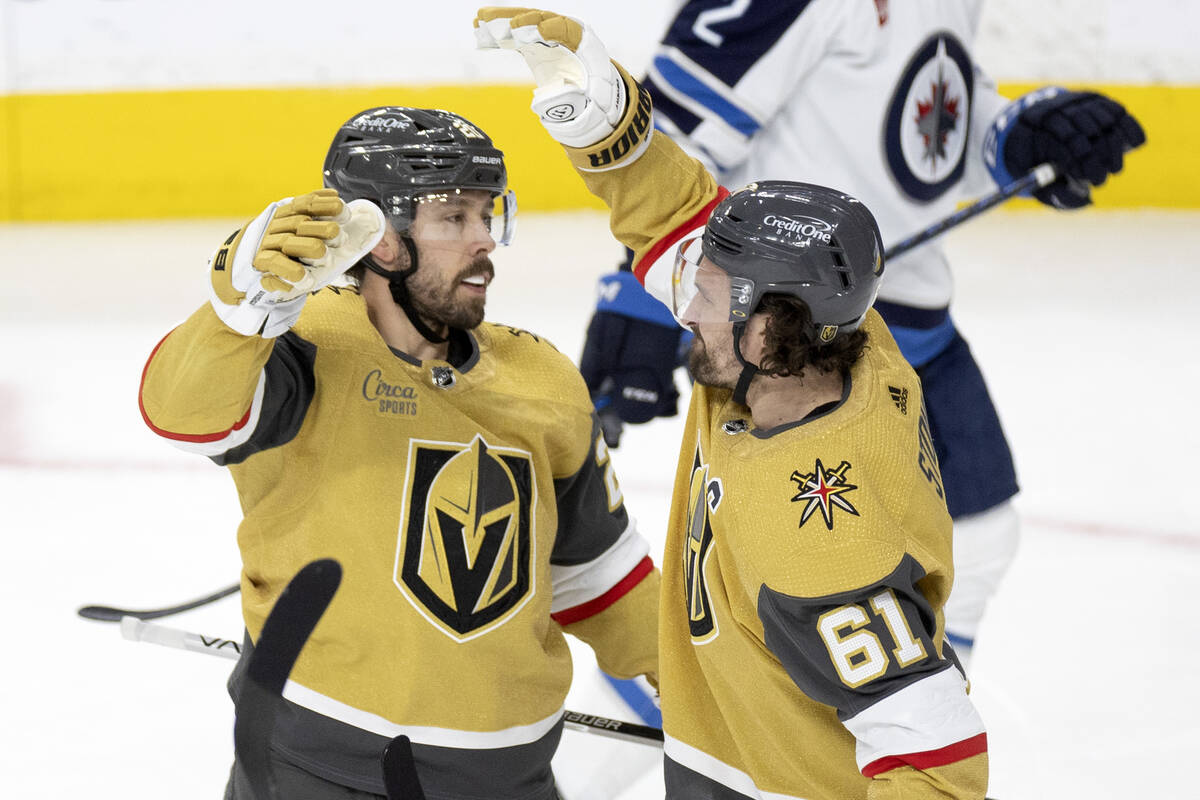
(789, 348)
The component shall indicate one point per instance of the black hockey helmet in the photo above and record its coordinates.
(799, 239)
(780, 237)
(393, 155)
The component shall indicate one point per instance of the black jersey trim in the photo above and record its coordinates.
(290, 385)
(462, 352)
(586, 526)
(790, 631)
(822, 410)
(349, 756)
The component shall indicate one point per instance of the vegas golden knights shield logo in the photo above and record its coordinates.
(704, 496)
(465, 556)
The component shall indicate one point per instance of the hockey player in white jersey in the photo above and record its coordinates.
(885, 101)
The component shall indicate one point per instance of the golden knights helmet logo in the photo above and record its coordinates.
(465, 557)
(704, 497)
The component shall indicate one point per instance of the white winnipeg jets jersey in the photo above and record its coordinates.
(879, 99)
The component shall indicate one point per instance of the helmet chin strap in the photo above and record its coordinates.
(748, 370)
(398, 283)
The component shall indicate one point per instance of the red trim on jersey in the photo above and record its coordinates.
(181, 437)
(596, 605)
(930, 758)
(662, 245)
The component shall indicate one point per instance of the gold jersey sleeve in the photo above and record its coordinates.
(661, 192)
(200, 380)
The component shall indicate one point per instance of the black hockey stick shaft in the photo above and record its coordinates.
(1036, 178)
(400, 771)
(283, 636)
(614, 728)
(113, 614)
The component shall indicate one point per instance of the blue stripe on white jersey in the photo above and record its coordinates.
(703, 26)
(680, 118)
(689, 85)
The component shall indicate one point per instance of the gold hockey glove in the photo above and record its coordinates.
(262, 274)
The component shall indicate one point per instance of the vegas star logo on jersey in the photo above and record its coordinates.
(926, 127)
(822, 490)
(465, 555)
(704, 497)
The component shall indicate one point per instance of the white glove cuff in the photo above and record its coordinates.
(248, 315)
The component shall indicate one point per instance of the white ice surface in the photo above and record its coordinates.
(1085, 671)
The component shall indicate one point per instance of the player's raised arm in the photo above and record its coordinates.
(206, 385)
(601, 116)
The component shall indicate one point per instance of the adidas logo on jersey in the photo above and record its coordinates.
(900, 398)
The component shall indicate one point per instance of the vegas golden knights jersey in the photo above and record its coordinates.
(802, 650)
(802, 644)
(475, 513)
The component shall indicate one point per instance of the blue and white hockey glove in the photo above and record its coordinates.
(1083, 134)
(629, 356)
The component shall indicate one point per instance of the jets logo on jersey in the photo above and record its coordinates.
(822, 490)
(928, 118)
(704, 497)
(465, 556)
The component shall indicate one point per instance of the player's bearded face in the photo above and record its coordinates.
(456, 299)
(711, 359)
(453, 242)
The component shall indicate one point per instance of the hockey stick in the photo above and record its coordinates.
(283, 636)
(614, 728)
(1038, 177)
(400, 771)
(139, 631)
(111, 614)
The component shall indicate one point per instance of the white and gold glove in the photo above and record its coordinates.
(263, 273)
(581, 95)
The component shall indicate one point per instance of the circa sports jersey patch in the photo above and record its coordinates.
(466, 545)
(704, 498)
(823, 490)
(928, 119)
(389, 398)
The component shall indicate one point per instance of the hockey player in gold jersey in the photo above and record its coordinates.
(452, 466)
(808, 556)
